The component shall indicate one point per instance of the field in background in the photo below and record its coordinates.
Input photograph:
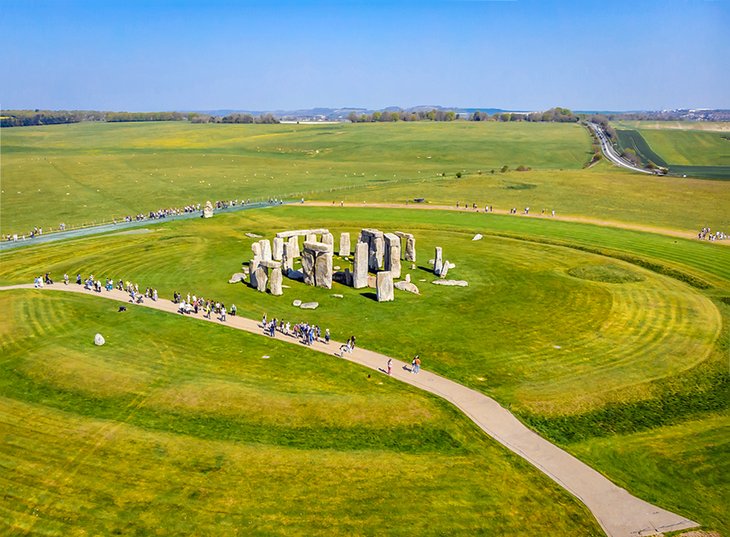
(695, 152)
(588, 349)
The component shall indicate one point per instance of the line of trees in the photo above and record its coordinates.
(561, 115)
(25, 118)
(234, 118)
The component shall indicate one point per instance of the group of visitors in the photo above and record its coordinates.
(706, 234)
(306, 333)
(194, 304)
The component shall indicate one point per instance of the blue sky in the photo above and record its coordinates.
(267, 55)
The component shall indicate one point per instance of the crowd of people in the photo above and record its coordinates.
(706, 234)
(306, 333)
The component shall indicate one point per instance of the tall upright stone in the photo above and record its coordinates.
(287, 260)
(277, 251)
(344, 244)
(323, 270)
(384, 287)
(261, 278)
(310, 237)
(438, 262)
(294, 251)
(360, 266)
(265, 249)
(308, 266)
(444, 269)
(391, 261)
(252, 266)
(411, 249)
(376, 247)
(276, 282)
(328, 238)
(256, 249)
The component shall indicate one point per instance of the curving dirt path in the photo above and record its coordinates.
(619, 513)
(578, 219)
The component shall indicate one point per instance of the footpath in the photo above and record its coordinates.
(619, 513)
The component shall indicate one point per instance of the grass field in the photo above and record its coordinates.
(89, 172)
(587, 349)
(688, 149)
(184, 428)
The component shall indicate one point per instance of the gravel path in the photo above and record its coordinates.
(619, 513)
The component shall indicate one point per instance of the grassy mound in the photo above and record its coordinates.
(607, 273)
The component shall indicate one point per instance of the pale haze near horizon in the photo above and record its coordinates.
(284, 55)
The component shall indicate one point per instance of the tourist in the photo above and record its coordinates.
(416, 364)
(233, 310)
(78, 279)
(390, 366)
(65, 279)
(327, 336)
(223, 313)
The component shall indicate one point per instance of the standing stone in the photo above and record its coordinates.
(265, 249)
(256, 249)
(360, 266)
(392, 254)
(444, 269)
(327, 238)
(294, 251)
(252, 266)
(310, 237)
(208, 210)
(278, 249)
(261, 278)
(348, 277)
(275, 282)
(323, 271)
(384, 287)
(287, 260)
(437, 262)
(308, 266)
(376, 249)
(411, 249)
(344, 244)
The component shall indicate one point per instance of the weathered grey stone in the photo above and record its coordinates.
(301, 232)
(408, 277)
(328, 239)
(403, 235)
(256, 249)
(252, 266)
(458, 283)
(293, 243)
(310, 237)
(296, 303)
(277, 249)
(287, 260)
(344, 244)
(372, 281)
(99, 340)
(360, 266)
(296, 275)
(208, 210)
(252, 235)
(437, 262)
(407, 286)
(265, 249)
(444, 270)
(261, 279)
(309, 305)
(270, 264)
(275, 282)
(337, 295)
(411, 249)
(384, 289)
(238, 277)
(308, 266)
(348, 277)
(319, 247)
(377, 250)
(392, 254)
(477, 237)
(323, 271)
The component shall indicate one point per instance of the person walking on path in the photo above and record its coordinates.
(416, 364)
(390, 366)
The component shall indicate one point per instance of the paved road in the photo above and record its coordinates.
(610, 152)
(619, 513)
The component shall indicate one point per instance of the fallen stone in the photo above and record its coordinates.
(309, 305)
(253, 235)
(336, 295)
(407, 286)
(477, 237)
(296, 303)
(237, 277)
(296, 275)
(451, 283)
(99, 340)
(337, 267)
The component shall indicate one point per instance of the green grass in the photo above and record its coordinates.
(87, 172)
(631, 139)
(185, 428)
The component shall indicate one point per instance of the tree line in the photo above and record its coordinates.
(26, 118)
(561, 115)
